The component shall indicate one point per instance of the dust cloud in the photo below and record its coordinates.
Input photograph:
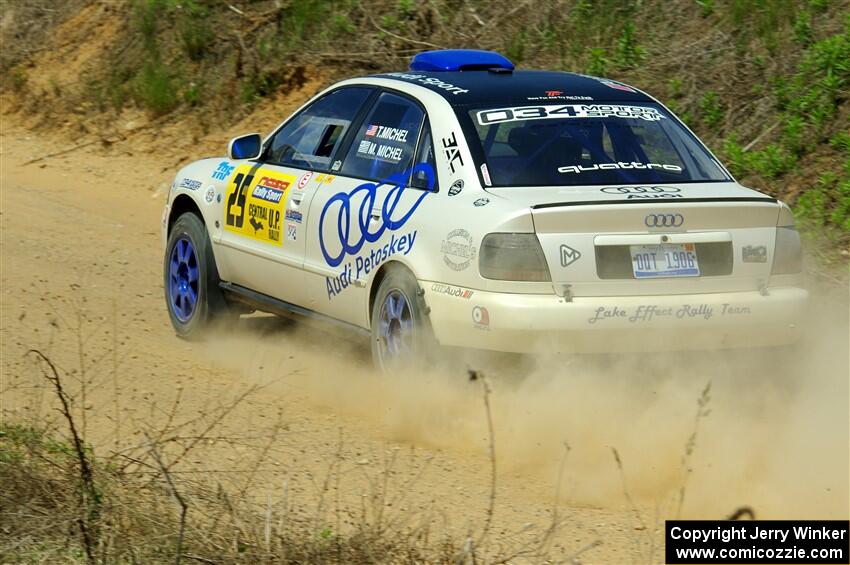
(773, 433)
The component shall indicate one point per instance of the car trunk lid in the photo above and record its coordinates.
(592, 237)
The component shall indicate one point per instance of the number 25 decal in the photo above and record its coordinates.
(236, 200)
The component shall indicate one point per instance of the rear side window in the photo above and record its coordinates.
(386, 141)
(425, 155)
(308, 141)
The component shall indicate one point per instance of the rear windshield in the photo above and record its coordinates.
(581, 144)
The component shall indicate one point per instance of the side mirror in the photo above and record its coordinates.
(245, 147)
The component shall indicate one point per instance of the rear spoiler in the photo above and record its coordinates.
(765, 199)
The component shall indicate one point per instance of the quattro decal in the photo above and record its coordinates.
(255, 204)
(618, 166)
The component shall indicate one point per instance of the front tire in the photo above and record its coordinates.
(191, 280)
(401, 331)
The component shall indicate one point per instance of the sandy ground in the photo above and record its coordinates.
(290, 412)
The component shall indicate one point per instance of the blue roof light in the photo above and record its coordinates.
(459, 60)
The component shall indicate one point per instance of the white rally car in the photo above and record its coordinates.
(466, 203)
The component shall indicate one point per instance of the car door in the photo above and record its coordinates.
(266, 200)
(357, 222)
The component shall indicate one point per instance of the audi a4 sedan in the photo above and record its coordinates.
(466, 203)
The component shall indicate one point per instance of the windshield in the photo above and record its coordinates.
(581, 144)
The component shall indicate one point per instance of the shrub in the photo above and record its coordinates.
(155, 88)
(598, 63)
(628, 54)
(803, 28)
(711, 110)
(194, 29)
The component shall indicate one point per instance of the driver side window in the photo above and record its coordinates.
(308, 141)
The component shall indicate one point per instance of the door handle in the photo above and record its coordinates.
(297, 198)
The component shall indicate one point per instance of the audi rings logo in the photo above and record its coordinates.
(369, 225)
(641, 190)
(664, 220)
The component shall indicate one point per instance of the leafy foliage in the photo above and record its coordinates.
(767, 81)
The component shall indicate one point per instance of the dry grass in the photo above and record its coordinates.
(61, 502)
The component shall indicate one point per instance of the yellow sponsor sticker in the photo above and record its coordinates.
(256, 200)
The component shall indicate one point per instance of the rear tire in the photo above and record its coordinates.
(402, 337)
(192, 294)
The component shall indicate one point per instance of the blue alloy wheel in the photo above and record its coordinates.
(183, 276)
(395, 327)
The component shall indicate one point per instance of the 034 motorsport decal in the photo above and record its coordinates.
(255, 209)
(364, 225)
(567, 111)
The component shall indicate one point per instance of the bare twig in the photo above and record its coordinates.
(172, 490)
(63, 152)
(491, 503)
(199, 559)
(702, 411)
(88, 491)
(626, 492)
(116, 402)
(758, 138)
(742, 512)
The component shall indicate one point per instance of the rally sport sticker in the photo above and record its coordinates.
(255, 204)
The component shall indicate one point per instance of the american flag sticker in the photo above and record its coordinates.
(371, 130)
(617, 86)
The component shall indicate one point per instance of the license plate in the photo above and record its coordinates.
(664, 260)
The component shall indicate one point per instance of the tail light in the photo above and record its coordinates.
(788, 252)
(512, 257)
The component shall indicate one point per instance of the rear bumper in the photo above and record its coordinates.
(527, 323)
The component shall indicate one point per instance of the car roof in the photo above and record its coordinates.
(476, 87)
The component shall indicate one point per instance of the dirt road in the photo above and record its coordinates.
(291, 411)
